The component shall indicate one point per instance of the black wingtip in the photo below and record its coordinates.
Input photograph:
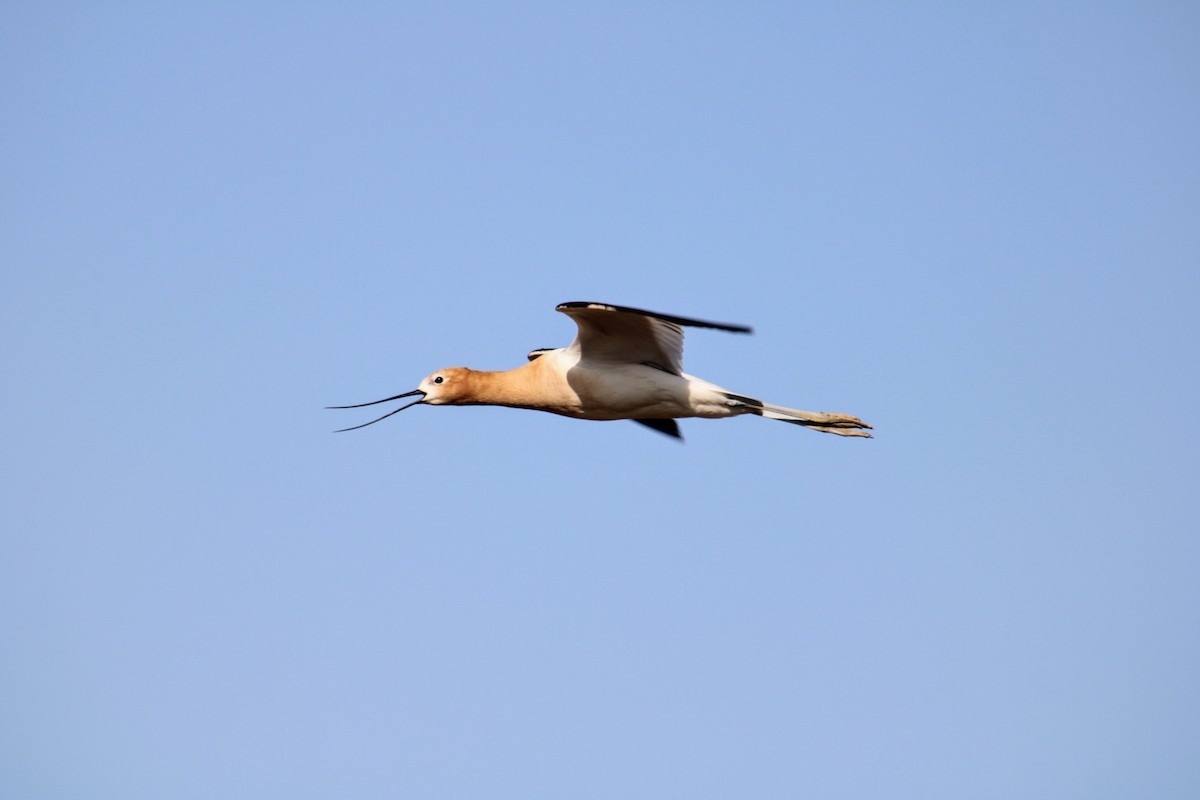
(688, 321)
(666, 426)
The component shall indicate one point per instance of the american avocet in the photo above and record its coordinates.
(623, 364)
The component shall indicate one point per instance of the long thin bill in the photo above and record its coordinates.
(379, 417)
(377, 402)
(384, 400)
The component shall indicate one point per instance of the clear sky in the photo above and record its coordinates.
(977, 228)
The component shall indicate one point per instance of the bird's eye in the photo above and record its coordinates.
(439, 379)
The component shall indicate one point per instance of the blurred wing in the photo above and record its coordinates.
(630, 336)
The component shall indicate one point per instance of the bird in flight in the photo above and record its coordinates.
(624, 364)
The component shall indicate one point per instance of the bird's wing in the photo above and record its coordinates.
(668, 426)
(630, 336)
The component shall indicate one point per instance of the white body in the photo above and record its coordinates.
(635, 391)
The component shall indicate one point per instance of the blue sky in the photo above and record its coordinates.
(976, 228)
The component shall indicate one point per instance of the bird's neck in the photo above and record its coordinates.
(527, 386)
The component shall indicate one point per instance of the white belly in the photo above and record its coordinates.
(634, 391)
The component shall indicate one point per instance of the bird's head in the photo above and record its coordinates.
(444, 387)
